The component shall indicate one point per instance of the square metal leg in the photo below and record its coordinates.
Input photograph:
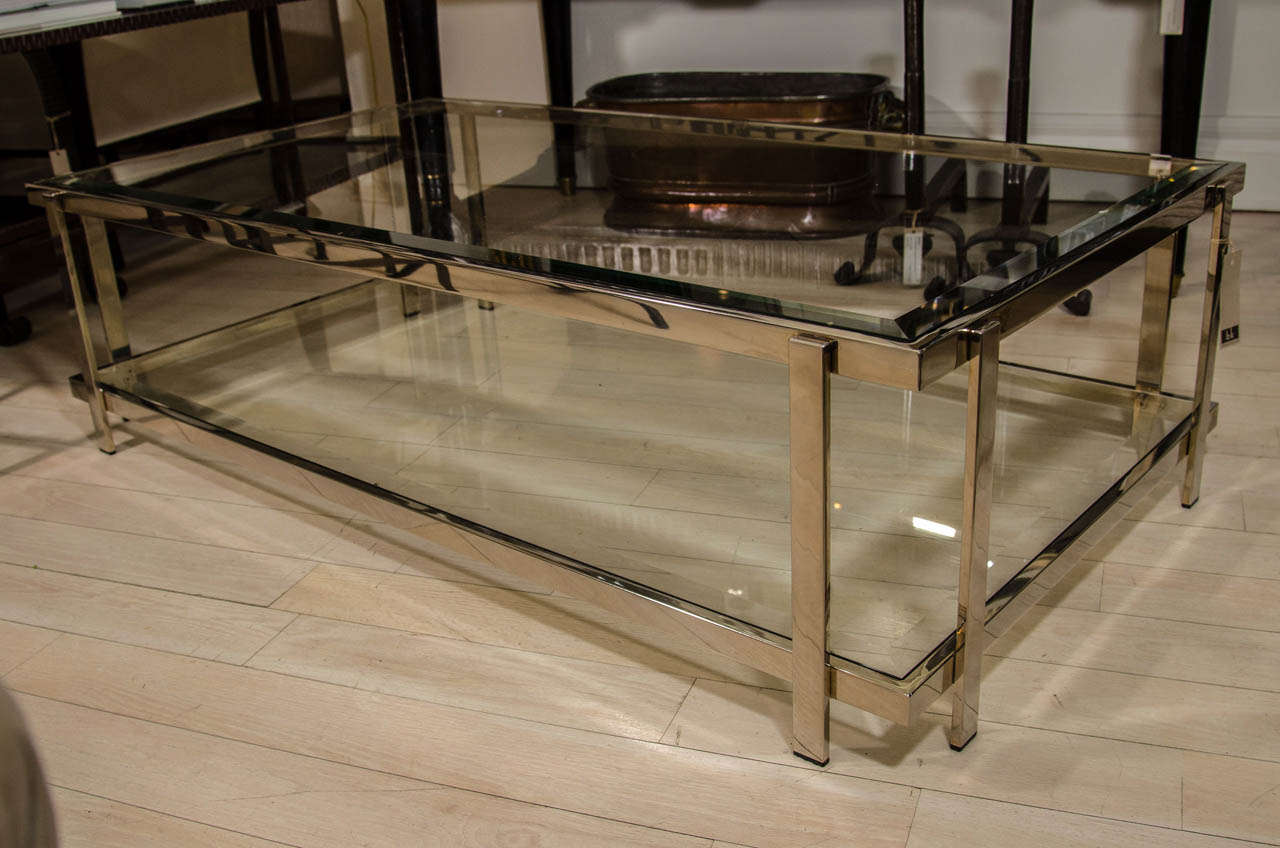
(1219, 246)
(89, 360)
(979, 454)
(475, 187)
(107, 288)
(1157, 297)
(810, 407)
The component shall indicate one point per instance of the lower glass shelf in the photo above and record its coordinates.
(661, 463)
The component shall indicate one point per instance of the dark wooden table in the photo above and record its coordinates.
(56, 59)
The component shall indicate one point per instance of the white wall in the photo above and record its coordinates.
(490, 50)
(1095, 63)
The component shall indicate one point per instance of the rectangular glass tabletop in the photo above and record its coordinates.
(781, 222)
(660, 462)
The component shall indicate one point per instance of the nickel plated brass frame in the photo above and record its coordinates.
(813, 352)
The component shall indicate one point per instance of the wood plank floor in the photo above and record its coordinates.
(206, 660)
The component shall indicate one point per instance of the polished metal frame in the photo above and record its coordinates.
(809, 376)
(1219, 248)
(812, 352)
(975, 532)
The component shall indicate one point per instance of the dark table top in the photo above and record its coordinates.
(127, 21)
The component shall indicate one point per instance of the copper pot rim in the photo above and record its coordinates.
(762, 87)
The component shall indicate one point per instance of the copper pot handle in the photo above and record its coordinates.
(888, 113)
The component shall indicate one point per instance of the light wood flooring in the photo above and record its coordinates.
(205, 660)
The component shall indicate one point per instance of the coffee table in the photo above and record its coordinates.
(692, 423)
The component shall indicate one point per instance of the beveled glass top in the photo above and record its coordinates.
(811, 224)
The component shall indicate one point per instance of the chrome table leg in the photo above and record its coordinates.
(1219, 246)
(97, 408)
(475, 188)
(979, 454)
(104, 283)
(810, 406)
(1157, 295)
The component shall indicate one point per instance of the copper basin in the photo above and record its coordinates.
(723, 183)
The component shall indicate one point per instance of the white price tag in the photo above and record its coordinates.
(60, 161)
(913, 257)
(1229, 298)
(1159, 165)
(1171, 17)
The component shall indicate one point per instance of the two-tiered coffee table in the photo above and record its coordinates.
(840, 485)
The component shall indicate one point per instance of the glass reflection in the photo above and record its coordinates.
(663, 463)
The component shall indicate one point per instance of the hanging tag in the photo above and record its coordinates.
(913, 257)
(60, 161)
(1229, 298)
(1171, 17)
(1159, 165)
